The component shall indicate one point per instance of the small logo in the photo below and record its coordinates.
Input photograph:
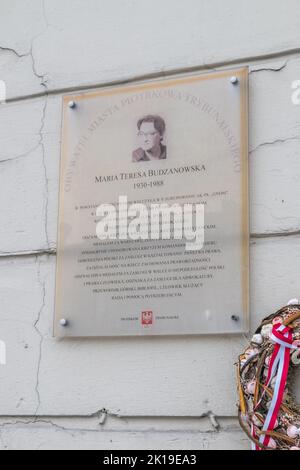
(296, 94)
(147, 317)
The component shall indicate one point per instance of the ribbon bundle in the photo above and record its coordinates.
(279, 367)
(268, 413)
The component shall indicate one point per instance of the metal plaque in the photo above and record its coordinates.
(177, 144)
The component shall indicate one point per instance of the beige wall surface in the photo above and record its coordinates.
(133, 392)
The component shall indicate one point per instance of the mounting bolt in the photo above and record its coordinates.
(72, 104)
(234, 80)
(63, 322)
(235, 317)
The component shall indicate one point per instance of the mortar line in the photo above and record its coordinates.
(242, 61)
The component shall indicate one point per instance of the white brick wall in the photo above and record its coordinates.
(155, 389)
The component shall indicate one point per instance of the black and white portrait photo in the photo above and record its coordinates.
(150, 135)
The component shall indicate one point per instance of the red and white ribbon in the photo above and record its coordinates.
(279, 367)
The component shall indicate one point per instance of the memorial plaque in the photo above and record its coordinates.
(129, 151)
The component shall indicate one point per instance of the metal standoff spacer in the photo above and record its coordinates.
(72, 104)
(63, 322)
(234, 80)
(235, 317)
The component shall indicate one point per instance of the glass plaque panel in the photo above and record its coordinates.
(138, 162)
